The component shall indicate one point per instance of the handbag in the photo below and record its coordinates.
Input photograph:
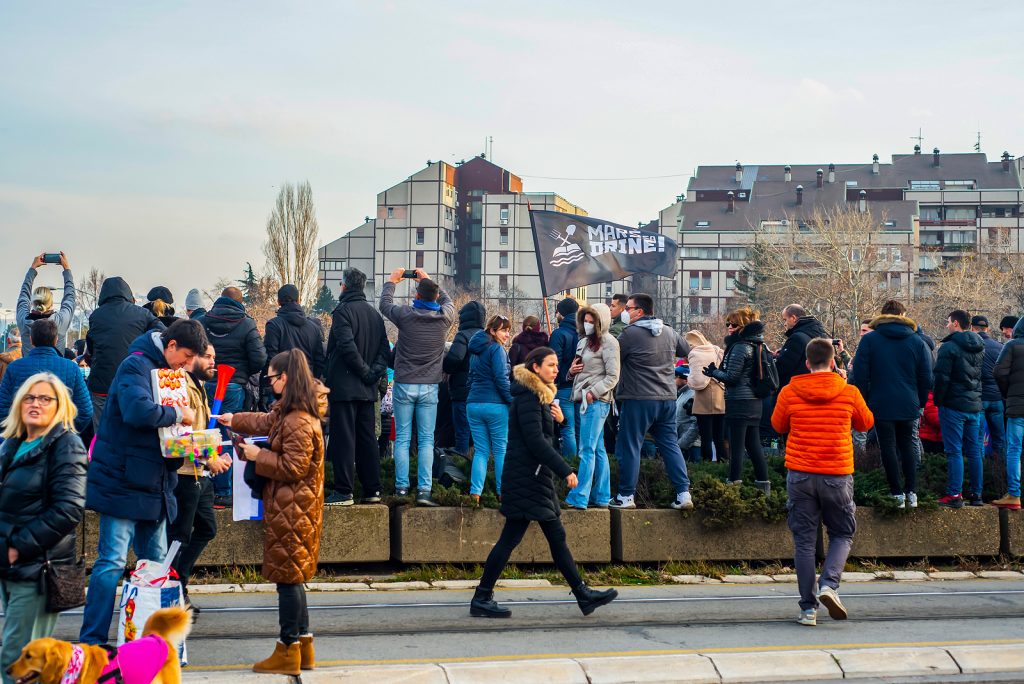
(64, 583)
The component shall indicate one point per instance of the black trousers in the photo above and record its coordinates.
(292, 612)
(746, 435)
(896, 440)
(712, 431)
(510, 537)
(353, 447)
(195, 526)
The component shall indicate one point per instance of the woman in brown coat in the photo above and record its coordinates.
(292, 463)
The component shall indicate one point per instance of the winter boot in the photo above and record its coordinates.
(590, 600)
(764, 485)
(286, 660)
(484, 605)
(308, 655)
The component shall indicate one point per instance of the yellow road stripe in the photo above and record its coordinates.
(619, 654)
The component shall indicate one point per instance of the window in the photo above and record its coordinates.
(448, 236)
(730, 280)
(503, 236)
(503, 260)
(504, 214)
(703, 224)
(705, 280)
(959, 184)
(734, 253)
(851, 184)
(931, 213)
(503, 282)
(694, 280)
(924, 185)
(961, 213)
(894, 281)
(705, 305)
(883, 253)
(675, 287)
(890, 224)
(694, 304)
(447, 259)
(855, 254)
(419, 259)
(420, 234)
(391, 212)
(897, 255)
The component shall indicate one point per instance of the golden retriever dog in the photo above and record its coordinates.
(46, 661)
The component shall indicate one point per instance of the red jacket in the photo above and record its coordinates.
(930, 429)
(817, 410)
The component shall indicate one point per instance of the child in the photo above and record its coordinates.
(817, 411)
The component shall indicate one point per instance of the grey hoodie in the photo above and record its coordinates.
(419, 351)
(648, 350)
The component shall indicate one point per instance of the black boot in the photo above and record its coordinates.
(591, 600)
(484, 605)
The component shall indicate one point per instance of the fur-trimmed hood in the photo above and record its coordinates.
(602, 319)
(528, 381)
(894, 327)
(892, 318)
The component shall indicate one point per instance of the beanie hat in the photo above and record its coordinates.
(288, 294)
(1008, 322)
(193, 300)
(567, 307)
(160, 292)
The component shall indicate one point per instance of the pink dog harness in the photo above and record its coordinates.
(136, 662)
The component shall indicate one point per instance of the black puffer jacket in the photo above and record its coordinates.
(357, 348)
(737, 372)
(958, 372)
(792, 357)
(291, 328)
(1009, 372)
(989, 389)
(235, 337)
(532, 459)
(114, 325)
(472, 318)
(38, 522)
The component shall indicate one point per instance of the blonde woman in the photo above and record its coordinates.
(38, 303)
(709, 395)
(42, 499)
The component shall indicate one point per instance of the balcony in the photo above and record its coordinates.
(942, 223)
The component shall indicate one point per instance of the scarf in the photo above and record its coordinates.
(75, 665)
(422, 304)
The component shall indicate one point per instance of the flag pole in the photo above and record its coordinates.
(547, 314)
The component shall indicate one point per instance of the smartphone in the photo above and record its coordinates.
(49, 258)
(577, 359)
(837, 342)
(409, 274)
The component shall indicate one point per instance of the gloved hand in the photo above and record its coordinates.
(710, 369)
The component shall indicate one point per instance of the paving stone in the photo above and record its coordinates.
(859, 577)
(455, 584)
(1000, 574)
(258, 588)
(784, 578)
(747, 579)
(785, 666)
(523, 583)
(994, 658)
(337, 586)
(909, 575)
(238, 677)
(375, 674)
(895, 662)
(694, 579)
(214, 588)
(944, 575)
(399, 586)
(514, 672)
(650, 669)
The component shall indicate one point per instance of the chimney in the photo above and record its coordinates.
(917, 149)
(821, 181)
(1006, 162)
(831, 173)
(874, 164)
(935, 157)
(789, 173)
(862, 205)
(739, 172)
(732, 202)
(799, 195)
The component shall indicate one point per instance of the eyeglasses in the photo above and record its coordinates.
(41, 399)
(271, 378)
(630, 308)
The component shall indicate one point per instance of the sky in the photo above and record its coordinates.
(150, 139)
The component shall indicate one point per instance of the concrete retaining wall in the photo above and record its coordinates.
(650, 535)
(968, 531)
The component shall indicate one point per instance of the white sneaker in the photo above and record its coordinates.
(619, 501)
(808, 617)
(829, 597)
(900, 499)
(683, 501)
(912, 499)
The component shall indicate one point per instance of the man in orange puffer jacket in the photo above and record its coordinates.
(817, 412)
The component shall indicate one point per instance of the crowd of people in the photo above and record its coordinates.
(533, 407)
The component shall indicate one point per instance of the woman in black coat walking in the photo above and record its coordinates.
(528, 487)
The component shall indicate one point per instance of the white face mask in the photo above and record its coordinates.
(588, 328)
(624, 317)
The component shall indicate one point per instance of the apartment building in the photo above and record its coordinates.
(928, 209)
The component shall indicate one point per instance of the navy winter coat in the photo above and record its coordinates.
(989, 388)
(1009, 372)
(128, 476)
(114, 325)
(488, 371)
(456, 362)
(235, 337)
(893, 369)
(958, 372)
(46, 359)
(564, 340)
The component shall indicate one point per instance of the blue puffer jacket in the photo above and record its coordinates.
(129, 477)
(488, 371)
(46, 359)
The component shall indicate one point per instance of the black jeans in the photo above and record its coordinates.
(746, 433)
(292, 612)
(712, 430)
(896, 440)
(353, 447)
(195, 526)
(510, 537)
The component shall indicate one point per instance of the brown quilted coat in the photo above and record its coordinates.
(293, 499)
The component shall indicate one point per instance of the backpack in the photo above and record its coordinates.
(765, 377)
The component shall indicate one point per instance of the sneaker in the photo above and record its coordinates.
(808, 617)
(829, 597)
(952, 501)
(901, 500)
(1009, 502)
(619, 501)
(191, 606)
(221, 502)
(336, 499)
(912, 499)
(402, 492)
(683, 501)
(975, 500)
(371, 499)
(424, 499)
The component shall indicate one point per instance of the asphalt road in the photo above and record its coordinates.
(235, 630)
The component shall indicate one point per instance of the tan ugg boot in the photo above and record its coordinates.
(286, 660)
(306, 650)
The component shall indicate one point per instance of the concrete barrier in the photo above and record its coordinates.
(467, 535)
(658, 535)
(1012, 524)
(945, 532)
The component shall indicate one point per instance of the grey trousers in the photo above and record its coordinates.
(98, 402)
(25, 620)
(815, 498)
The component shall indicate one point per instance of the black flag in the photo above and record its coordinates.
(573, 251)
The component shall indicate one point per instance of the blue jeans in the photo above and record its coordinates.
(636, 418)
(149, 539)
(462, 432)
(1014, 440)
(594, 477)
(234, 401)
(960, 432)
(993, 413)
(489, 423)
(419, 401)
(570, 430)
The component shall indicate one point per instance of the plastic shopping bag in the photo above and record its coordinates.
(152, 586)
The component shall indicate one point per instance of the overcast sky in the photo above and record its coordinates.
(148, 139)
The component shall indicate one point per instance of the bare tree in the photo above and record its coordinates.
(89, 290)
(293, 236)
